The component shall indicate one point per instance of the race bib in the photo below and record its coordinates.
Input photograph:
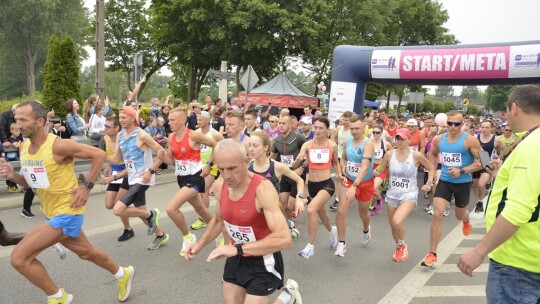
(36, 177)
(287, 160)
(379, 153)
(319, 156)
(400, 183)
(451, 159)
(187, 167)
(204, 148)
(353, 168)
(130, 166)
(118, 181)
(240, 234)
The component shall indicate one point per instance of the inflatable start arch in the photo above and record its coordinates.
(480, 64)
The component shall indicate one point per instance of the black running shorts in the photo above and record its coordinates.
(260, 276)
(461, 192)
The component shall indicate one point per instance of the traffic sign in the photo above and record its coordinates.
(249, 79)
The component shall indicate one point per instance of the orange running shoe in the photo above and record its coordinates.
(429, 260)
(466, 228)
(401, 253)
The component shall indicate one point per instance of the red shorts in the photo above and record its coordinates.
(383, 174)
(364, 191)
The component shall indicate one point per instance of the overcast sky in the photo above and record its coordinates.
(474, 21)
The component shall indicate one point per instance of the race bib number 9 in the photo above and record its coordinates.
(451, 159)
(36, 177)
(240, 234)
(353, 168)
(319, 156)
(287, 160)
(400, 183)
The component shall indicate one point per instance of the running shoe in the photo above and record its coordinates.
(220, 241)
(292, 288)
(334, 205)
(190, 240)
(306, 252)
(341, 249)
(429, 260)
(14, 189)
(199, 224)
(427, 194)
(158, 241)
(292, 228)
(128, 233)
(27, 213)
(65, 299)
(446, 212)
(61, 250)
(366, 236)
(401, 253)
(333, 238)
(466, 228)
(153, 221)
(124, 283)
(428, 208)
(479, 207)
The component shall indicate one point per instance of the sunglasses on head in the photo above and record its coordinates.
(453, 123)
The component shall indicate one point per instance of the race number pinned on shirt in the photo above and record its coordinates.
(319, 156)
(118, 181)
(400, 183)
(240, 234)
(353, 168)
(287, 160)
(204, 148)
(379, 153)
(187, 167)
(36, 177)
(451, 159)
(130, 166)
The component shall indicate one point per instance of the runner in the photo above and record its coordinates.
(457, 149)
(392, 127)
(250, 120)
(306, 127)
(417, 142)
(381, 146)
(234, 126)
(184, 152)
(341, 136)
(402, 195)
(491, 144)
(357, 171)
(321, 153)
(135, 147)
(248, 209)
(116, 174)
(47, 166)
(508, 138)
(259, 145)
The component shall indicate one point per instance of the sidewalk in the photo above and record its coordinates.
(10, 200)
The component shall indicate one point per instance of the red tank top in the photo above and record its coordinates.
(319, 158)
(392, 132)
(415, 140)
(182, 150)
(242, 220)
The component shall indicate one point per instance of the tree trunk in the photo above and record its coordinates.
(130, 87)
(30, 71)
(389, 93)
(399, 104)
(191, 84)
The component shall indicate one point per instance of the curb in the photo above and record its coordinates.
(15, 200)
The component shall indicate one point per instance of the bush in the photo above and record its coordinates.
(7, 104)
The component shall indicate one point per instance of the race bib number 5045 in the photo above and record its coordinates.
(451, 159)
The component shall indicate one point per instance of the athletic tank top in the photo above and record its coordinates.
(51, 180)
(455, 155)
(402, 184)
(508, 142)
(319, 158)
(392, 132)
(414, 144)
(354, 160)
(242, 220)
(187, 161)
(111, 152)
(379, 152)
(343, 136)
(206, 152)
(489, 146)
(269, 174)
(137, 161)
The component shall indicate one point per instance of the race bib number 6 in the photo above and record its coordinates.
(451, 159)
(240, 234)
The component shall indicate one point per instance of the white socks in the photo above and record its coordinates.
(120, 273)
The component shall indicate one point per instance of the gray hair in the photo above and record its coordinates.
(228, 145)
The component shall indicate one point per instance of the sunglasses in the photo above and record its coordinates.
(453, 123)
(410, 127)
(376, 132)
(108, 126)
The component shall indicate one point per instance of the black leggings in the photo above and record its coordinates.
(28, 198)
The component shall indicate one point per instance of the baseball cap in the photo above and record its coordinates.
(257, 107)
(129, 110)
(205, 114)
(412, 122)
(403, 133)
(306, 120)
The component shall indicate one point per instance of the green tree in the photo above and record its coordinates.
(127, 32)
(444, 91)
(497, 96)
(28, 25)
(61, 80)
(470, 92)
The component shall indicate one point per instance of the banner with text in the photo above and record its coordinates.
(342, 96)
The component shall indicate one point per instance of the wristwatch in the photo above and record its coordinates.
(88, 185)
(115, 178)
(355, 184)
(239, 251)
(461, 171)
(210, 163)
(300, 195)
(430, 183)
(152, 171)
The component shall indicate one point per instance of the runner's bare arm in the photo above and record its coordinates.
(369, 150)
(117, 158)
(168, 156)
(473, 145)
(301, 155)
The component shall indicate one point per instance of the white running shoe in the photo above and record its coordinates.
(186, 243)
(292, 289)
(366, 237)
(60, 249)
(333, 238)
(306, 252)
(341, 249)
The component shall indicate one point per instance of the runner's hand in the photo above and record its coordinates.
(299, 207)
(454, 172)
(426, 188)
(80, 196)
(191, 252)
(350, 193)
(222, 252)
(106, 180)
(205, 171)
(469, 261)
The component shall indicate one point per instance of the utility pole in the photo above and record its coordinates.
(100, 48)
